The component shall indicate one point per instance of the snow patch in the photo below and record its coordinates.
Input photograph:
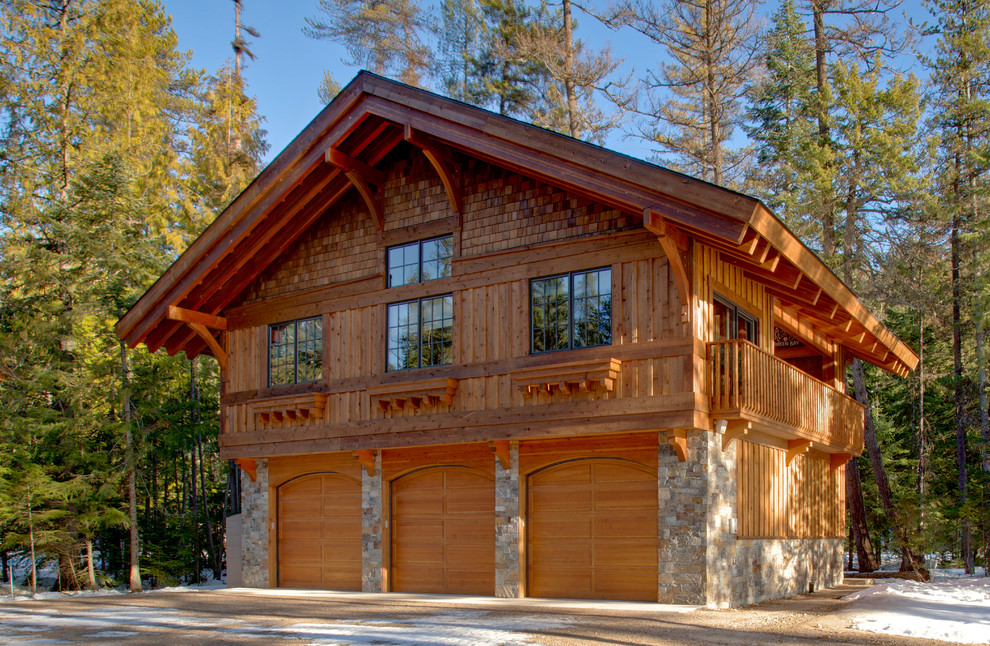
(951, 609)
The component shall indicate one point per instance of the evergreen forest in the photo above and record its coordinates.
(865, 130)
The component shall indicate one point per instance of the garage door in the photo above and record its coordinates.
(443, 532)
(592, 531)
(319, 533)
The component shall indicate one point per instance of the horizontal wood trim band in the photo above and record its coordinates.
(253, 446)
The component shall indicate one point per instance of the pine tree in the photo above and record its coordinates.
(388, 36)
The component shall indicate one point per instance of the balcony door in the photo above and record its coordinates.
(733, 322)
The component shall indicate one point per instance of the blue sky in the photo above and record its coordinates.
(289, 66)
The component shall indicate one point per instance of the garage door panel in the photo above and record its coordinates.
(564, 498)
(443, 532)
(592, 531)
(319, 533)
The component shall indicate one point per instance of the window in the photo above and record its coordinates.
(732, 322)
(420, 333)
(420, 261)
(571, 310)
(295, 352)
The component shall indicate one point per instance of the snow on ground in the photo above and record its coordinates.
(23, 625)
(951, 609)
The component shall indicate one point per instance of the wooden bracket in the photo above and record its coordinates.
(367, 459)
(671, 240)
(501, 450)
(248, 466)
(199, 322)
(733, 432)
(677, 438)
(836, 460)
(443, 162)
(796, 448)
(362, 177)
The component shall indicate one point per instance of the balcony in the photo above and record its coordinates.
(750, 385)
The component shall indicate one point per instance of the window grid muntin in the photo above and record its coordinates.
(409, 325)
(420, 261)
(546, 309)
(284, 351)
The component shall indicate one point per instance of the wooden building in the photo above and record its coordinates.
(461, 354)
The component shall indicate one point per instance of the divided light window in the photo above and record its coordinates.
(420, 333)
(420, 261)
(571, 310)
(733, 322)
(295, 351)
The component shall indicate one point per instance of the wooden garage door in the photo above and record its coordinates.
(319, 533)
(592, 531)
(443, 532)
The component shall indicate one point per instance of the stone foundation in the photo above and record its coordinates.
(254, 529)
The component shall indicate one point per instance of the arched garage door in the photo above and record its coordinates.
(319, 532)
(592, 531)
(443, 532)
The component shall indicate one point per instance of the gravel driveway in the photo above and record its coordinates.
(277, 617)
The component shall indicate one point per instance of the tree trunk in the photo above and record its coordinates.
(857, 519)
(824, 139)
(90, 570)
(131, 458)
(572, 106)
(34, 556)
(959, 393)
(215, 559)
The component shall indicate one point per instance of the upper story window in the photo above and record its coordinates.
(733, 322)
(420, 261)
(295, 351)
(420, 333)
(571, 310)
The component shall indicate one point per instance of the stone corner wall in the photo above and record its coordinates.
(372, 563)
(254, 529)
(507, 526)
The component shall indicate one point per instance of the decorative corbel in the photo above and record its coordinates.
(734, 431)
(836, 460)
(362, 177)
(367, 459)
(796, 448)
(443, 163)
(200, 322)
(248, 466)
(677, 438)
(501, 450)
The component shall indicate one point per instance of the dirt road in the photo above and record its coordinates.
(232, 617)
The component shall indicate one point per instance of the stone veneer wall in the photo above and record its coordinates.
(507, 525)
(701, 561)
(371, 528)
(254, 528)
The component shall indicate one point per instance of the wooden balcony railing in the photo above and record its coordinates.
(745, 382)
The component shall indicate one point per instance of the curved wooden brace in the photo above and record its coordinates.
(733, 433)
(248, 466)
(199, 322)
(443, 163)
(796, 448)
(211, 341)
(671, 240)
(677, 438)
(362, 177)
(367, 459)
(836, 460)
(501, 450)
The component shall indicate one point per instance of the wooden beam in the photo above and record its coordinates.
(248, 466)
(836, 460)
(192, 316)
(796, 448)
(367, 459)
(206, 335)
(442, 161)
(348, 164)
(501, 450)
(670, 238)
(677, 438)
